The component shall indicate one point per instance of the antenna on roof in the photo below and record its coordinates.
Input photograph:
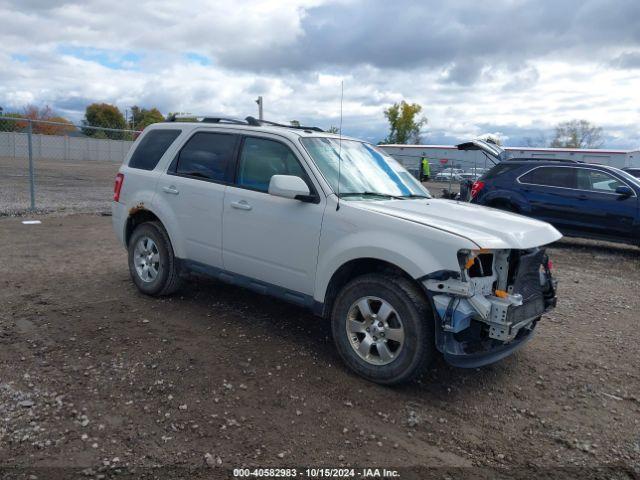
(340, 143)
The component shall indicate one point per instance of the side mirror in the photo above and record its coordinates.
(624, 191)
(289, 186)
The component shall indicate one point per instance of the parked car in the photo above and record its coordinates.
(469, 176)
(579, 199)
(448, 177)
(339, 227)
(635, 171)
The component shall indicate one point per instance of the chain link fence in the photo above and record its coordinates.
(51, 166)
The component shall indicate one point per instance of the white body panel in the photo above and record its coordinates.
(272, 239)
(196, 208)
(299, 246)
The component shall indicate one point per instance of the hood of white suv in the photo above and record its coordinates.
(486, 227)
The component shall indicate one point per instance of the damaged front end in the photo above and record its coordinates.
(491, 307)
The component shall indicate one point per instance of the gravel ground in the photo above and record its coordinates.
(61, 185)
(98, 378)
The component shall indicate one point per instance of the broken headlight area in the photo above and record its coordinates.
(497, 298)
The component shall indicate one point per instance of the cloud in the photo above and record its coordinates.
(516, 66)
(627, 60)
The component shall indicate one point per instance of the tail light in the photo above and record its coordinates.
(118, 186)
(476, 187)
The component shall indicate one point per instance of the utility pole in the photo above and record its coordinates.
(259, 102)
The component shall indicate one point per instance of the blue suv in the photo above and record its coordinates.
(579, 199)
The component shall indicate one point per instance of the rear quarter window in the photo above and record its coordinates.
(151, 148)
(565, 177)
(499, 170)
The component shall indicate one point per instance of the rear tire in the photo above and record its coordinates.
(383, 328)
(152, 264)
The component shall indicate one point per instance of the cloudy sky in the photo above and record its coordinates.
(515, 68)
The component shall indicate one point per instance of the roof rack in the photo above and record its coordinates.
(251, 121)
(256, 123)
(541, 159)
(205, 119)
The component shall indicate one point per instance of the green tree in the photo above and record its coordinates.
(404, 123)
(333, 129)
(106, 116)
(142, 117)
(577, 134)
(11, 125)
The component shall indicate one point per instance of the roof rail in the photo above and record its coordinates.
(205, 119)
(251, 121)
(541, 159)
(256, 123)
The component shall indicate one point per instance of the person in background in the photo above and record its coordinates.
(425, 170)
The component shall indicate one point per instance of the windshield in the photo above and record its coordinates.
(364, 169)
(628, 177)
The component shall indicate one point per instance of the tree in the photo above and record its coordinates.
(404, 124)
(142, 117)
(333, 129)
(295, 123)
(11, 125)
(45, 114)
(106, 116)
(577, 134)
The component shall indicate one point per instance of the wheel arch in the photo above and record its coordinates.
(355, 268)
(507, 197)
(141, 214)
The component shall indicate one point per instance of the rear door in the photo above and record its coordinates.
(194, 189)
(602, 211)
(269, 238)
(551, 192)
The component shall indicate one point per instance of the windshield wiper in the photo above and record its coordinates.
(413, 195)
(369, 194)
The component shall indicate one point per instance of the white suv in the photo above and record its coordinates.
(339, 227)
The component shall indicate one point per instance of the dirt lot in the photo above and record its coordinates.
(97, 377)
(61, 185)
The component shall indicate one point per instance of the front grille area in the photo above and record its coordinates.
(526, 282)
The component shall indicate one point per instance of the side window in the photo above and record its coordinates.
(152, 147)
(551, 177)
(500, 169)
(207, 155)
(597, 181)
(261, 159)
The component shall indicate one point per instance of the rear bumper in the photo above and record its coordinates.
(119, 217)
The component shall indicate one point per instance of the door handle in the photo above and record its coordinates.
(583, 197)
(241, 205)
(172, 190)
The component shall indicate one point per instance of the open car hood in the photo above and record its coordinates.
(491, 149)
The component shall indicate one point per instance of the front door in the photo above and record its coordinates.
(269, 238)
(551, 193)
(603, 211)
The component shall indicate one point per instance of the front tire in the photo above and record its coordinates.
(383, 328)
(152, 264)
